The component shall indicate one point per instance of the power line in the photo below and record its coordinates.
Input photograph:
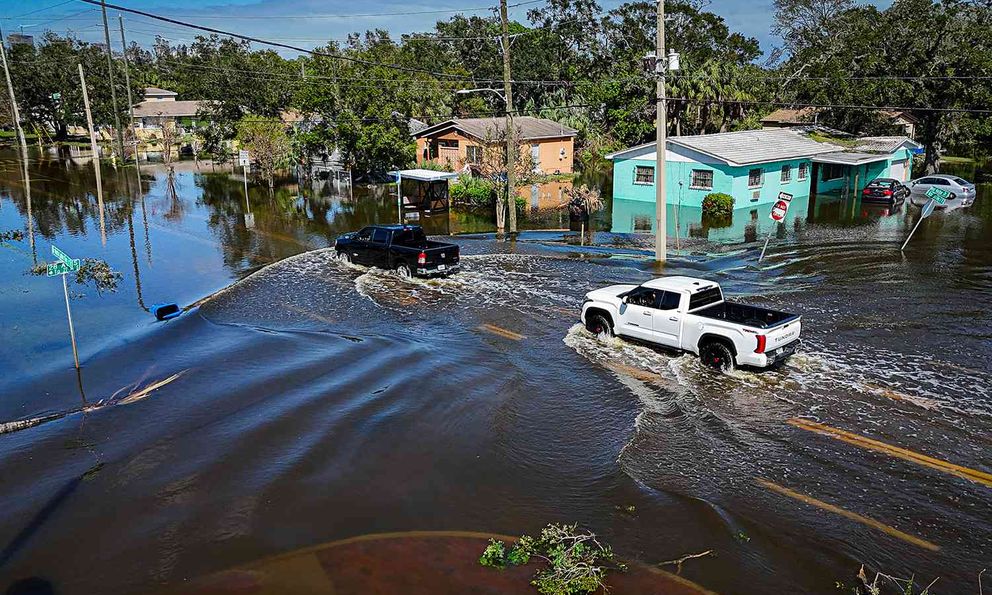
(273, 43)
(887, 108)
(229, 17)
(39, 10)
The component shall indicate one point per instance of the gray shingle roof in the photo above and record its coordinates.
(530, 128)
(882, 144)
(174, 109)
(754, 146)
(159, 92)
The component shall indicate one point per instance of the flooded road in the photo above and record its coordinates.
(312, 401)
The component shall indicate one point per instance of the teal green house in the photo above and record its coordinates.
(754, 166)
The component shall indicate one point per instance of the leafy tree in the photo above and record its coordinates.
(267, 142)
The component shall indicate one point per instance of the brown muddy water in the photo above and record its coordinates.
(311, 402)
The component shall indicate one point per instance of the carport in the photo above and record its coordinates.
(422, 190)
(844, 172)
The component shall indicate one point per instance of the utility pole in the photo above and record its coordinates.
(130, 100)
(113, 90)
(661, 223)
(511, 132)
(96, 153)
(20, 135)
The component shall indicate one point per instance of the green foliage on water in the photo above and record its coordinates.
(575, 561)
(718, 205)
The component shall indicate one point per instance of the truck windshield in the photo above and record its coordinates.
(410, 237)
(705, 298)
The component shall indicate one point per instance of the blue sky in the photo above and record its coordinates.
(314, 19)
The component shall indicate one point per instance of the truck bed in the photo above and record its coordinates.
(752, 316)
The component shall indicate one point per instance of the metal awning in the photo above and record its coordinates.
(849, 158)
(424, 175)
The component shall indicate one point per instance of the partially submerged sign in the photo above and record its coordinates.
(64, 265)
(938, 195)
(781, 207)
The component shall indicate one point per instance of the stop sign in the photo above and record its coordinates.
(779, 210)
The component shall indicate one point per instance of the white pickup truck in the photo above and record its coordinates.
(691, 315)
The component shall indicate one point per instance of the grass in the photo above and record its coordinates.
(953, 159)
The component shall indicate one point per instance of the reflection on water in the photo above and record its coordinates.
(313, 401)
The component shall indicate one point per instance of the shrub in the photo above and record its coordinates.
(718, 204)
(473, 192)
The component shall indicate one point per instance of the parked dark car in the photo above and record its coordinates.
(885, 190)
(403, 248)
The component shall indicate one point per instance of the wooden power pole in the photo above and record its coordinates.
(511, 133)
(661, 205)
(110, 75)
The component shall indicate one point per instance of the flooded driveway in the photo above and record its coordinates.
(311, 401)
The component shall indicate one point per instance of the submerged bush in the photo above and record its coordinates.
(576, 561)
(718, 204)
(473, 192)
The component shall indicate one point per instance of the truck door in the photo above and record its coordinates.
(379, 249)
(360, 246)
(637, 313)
(666, 319)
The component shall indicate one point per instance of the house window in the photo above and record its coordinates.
(702, 179)
(803, 171)
(643, 174)
(755, 177)
(786, 173)
(474, 154)
(445, 143)
(831, 171)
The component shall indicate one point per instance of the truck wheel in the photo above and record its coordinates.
(598, 324)
(344, 257)
(403, 270)
(716, 355)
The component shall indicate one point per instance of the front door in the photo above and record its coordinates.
(360, 247)
(535, 155)
(637, 314)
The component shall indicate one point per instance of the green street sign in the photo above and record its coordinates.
(62, 256)
(939, 195)
(61, 268)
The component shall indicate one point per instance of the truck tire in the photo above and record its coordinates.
(344, 257)
(716, 355)
(403, 270)
(599, 324)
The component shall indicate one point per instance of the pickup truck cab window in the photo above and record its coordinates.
(410, 237)
(365, 235)
(705, 298)
(380, 236)
(643, 297)
(669, 300)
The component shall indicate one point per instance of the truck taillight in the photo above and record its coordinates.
(422, 258)
(887, 192)
(761, 344)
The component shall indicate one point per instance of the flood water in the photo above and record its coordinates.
(308, 401)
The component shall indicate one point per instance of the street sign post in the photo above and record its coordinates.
(937, 197)
(779, 210)
(63, 267)
(244, 160)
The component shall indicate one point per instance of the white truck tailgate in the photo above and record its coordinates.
(782, 335)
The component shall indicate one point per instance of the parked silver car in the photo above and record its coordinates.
(962, 191)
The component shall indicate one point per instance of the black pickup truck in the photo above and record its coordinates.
(404, 248)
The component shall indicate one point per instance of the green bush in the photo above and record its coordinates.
(718, 204)
(473, 192)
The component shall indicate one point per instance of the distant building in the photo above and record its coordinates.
(20, 39)
(459, 142)
(902, 122)
(753, 166)
(160, 107)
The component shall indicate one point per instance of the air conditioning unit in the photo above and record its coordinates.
(755, 195)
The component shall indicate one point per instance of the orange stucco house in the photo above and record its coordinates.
(458, 142)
